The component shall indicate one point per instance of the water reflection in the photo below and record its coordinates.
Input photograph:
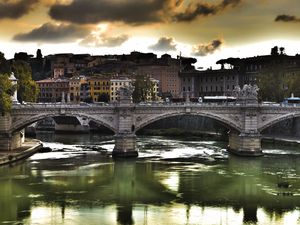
(89, 188)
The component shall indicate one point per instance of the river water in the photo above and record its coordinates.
(174, 181)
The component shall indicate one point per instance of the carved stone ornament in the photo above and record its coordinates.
(125, 91)
(248, 91)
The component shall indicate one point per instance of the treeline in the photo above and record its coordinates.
(276, 82)
(27, 88)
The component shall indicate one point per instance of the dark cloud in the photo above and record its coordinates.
(134, 12)
(286, 18)
(164, 44)
(103, 40)
(193, 11)
(49, 32)
(209, 48)
(15, 9)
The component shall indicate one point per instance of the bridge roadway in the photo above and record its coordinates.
(245, 121)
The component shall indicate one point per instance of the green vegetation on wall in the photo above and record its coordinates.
(143, 88)
(27, 88)
(6, 90)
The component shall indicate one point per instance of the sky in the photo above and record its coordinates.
(208, 30)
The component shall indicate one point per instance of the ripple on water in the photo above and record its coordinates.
(20, 177)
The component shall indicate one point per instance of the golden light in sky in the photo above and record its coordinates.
(205, 29)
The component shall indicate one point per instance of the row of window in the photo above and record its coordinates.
(212, 79)
(53, 89)
(99, 83)
(216, 88)
(53, 84)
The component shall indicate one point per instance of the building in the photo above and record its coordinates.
(99, 85)
(115, 84)
(166, 71)
(68, 65)
(52, 90)
(154, 94)
(209, 82)
(75, 87)
(250, 68)
(58, 71)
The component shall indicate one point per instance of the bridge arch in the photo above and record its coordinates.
(27, 120)
(277, 120)
(223, 120)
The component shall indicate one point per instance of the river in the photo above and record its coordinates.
(174, 181)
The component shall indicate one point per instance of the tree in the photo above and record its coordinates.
(39, 55)
(274, 50)
(6, 90)
(275, 83)
(293, 84)
(4, 64)
(281, 49)
(27, 88)
(143, 88)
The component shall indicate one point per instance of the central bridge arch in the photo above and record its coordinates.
(222, 120)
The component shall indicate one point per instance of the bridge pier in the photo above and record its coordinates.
(125, 139)
(245, 144)
(10, 142)
(125, 146)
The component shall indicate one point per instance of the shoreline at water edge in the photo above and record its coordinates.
(28, 149)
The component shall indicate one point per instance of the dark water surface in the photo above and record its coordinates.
(174, 181)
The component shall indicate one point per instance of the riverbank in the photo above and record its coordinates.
(28, 148)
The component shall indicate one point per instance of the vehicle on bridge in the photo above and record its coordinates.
(291, 101)
(219, 99)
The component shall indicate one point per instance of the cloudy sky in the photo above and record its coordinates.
(206, 29)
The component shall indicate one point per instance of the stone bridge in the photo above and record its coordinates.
(245, 119)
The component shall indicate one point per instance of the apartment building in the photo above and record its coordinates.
(52, 90)
(166, 71)
(209, 82)
(75, 87)
(99, 85)
(115, 84)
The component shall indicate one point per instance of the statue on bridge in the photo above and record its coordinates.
(248, 94)
(125, 94)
